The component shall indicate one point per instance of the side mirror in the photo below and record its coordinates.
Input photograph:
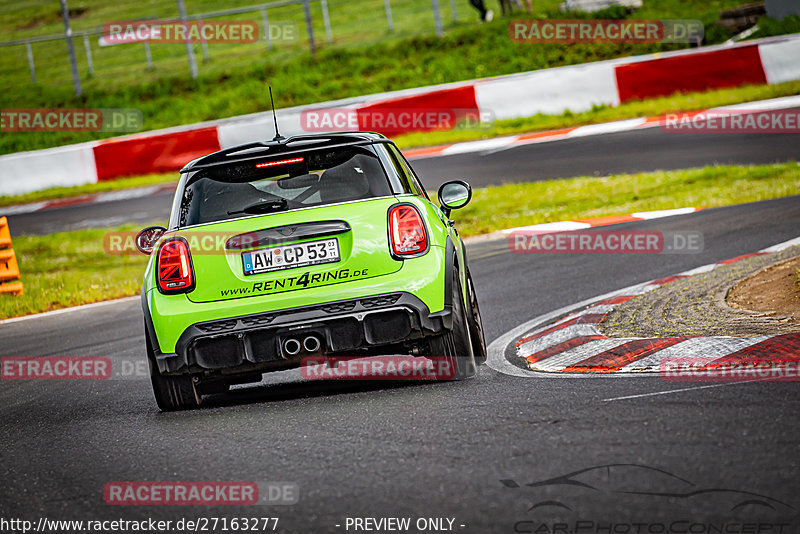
(146, 239)
(453, 195)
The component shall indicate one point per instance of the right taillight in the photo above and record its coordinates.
(175, 273)
(407, 231)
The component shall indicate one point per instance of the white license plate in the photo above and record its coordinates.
(270, 259)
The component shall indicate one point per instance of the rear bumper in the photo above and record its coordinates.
(169, 316)
(255, 343)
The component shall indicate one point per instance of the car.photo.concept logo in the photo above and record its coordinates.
(629, 498)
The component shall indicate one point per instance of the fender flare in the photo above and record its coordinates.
(149, 328)
(446, 314)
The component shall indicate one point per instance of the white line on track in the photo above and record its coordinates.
(71, 309)
(654, 393)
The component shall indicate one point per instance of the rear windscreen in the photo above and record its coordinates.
(282, 183)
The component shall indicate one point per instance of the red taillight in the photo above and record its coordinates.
(175, 273)
(406, 231)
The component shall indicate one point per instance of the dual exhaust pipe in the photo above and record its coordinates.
(293, 346)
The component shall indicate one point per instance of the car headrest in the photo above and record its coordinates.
(350, 180)
(212, 200)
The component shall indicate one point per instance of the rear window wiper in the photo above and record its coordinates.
(264, 206)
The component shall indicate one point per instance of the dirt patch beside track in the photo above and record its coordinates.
(772, 291)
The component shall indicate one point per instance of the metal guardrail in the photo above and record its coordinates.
(260, 8)
(43, 58)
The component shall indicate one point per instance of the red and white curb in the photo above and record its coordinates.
(594, 222)
(640, 123)
(583, 224)
(573, 345)
(122, 194)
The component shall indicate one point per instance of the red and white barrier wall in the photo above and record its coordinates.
(549, 91)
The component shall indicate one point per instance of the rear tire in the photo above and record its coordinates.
(455, 346)
(171, 392)
(475, 324)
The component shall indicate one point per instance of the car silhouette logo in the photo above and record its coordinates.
(618, 481)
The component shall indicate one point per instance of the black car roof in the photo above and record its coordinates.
(297, 143)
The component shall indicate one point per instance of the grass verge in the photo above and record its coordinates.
(645, 108)
(54, 193)
(68, 269)
(511, 205)
(71, 268)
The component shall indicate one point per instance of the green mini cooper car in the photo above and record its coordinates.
(311, 246)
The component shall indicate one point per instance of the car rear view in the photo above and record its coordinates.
(312, 246)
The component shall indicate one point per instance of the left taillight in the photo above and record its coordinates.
(407, 231)
(175, 272)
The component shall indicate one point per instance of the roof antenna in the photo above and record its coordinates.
(278, 137)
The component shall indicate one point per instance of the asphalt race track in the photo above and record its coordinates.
(600, 155)
(635, 151)
(433, 450)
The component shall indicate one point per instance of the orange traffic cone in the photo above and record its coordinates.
(9, 269)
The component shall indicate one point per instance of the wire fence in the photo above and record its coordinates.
(284, 28)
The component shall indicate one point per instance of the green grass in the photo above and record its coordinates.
(644, 108)
(768, 27)
(511, 205)
(68, 269)
(364, 58)
(71, 268)
(100, 187)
